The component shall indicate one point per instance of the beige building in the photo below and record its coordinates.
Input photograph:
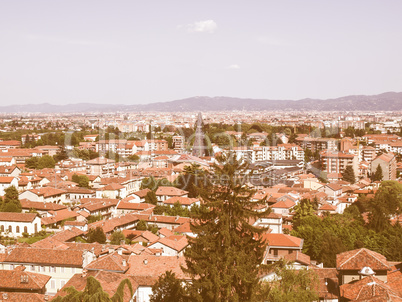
(387, 162)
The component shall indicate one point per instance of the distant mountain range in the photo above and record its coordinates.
(389, 101)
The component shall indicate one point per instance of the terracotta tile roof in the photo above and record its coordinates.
(22, 280)
(284, 204)
(18, 297)
(41, 206)
(165, 232)
(68, 234)
(20, 217)
(368, 288)
(181, 200)
(283, 240)
(327, 207)
(111, 262)
(58, 216)
(142, 193)
(6, 179)
(109, 281)
(328, 286)
(98, 204)
(177, 244)
(154, 266)
(70, 258)
(357, 259)
(113, 187)
(184, 228)
(47, 192)
(49, 243)
(134, 206)
(299, 257)
(170, 191)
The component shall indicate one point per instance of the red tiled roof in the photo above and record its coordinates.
(283, 240)
(357, 259)
(111, 262)
(69, 258)
(12, 280)
(170, 191)
(18, 297)
(154, 266)
(368, 288)
(20, 217)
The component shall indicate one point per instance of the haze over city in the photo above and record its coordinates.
(134, 52)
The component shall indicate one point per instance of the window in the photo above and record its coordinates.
(25, 229)
(275, 252)
(53, 283)
(2, 228)
(61, 269)
(73, 270)
(42, 269)
(17, 230)
(10, 228)
(52, 269)
(11, 266)
(62, 283)
(32, 268)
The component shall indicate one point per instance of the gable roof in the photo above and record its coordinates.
(12, 280)
(170, 191)
(113, 262)
(357, 259)
(69, 258)
(368, 288)
(283, 240)
(17, 217)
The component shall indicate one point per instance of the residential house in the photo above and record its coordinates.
(15, 224)
(6, 182)
(387, 162)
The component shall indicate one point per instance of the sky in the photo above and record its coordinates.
(137, 52)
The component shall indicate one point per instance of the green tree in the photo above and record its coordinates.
(168, 289)
(93, 292)
(291, 285)
(303, 209)
(151, 198)
(81, 180)
(378, 176)
(386, 202)
(349, 174)
(46, 161)
(96, 235)
(223, 258)
(32, 162)
(192, 180)
(117, 237)
(11, 201)
(141, 225)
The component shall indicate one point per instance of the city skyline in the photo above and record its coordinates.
(137, 53)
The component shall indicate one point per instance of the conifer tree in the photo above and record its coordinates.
(11, 201)
(378, 176)
(349, 175)
(224, 257)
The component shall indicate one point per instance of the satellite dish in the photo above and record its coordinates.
(366, 271)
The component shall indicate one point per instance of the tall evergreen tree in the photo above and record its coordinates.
(11, 201)
(349, 174)
(223, 258)
(378, 176)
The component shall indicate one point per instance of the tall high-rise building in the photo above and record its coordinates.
(199, 148)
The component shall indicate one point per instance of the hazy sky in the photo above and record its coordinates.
(145, 51)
